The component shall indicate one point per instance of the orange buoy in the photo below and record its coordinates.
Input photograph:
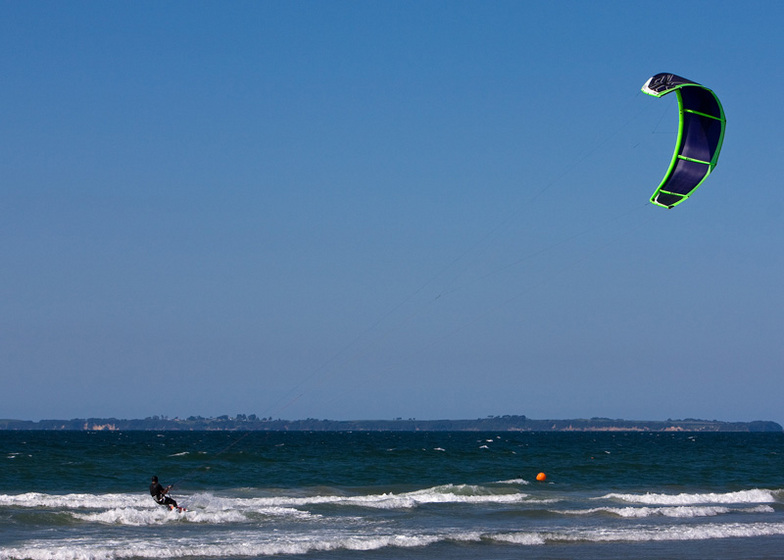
(541, 477)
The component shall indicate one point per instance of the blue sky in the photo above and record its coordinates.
(356, 210)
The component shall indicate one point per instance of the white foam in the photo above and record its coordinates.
(755, 496)
(406, 500)
(243, 544)
(255, 543)
(131, 506)
(679, 532)
(643, 534)
(526, 539)
(157, 516)
(667, 511)
(140, 510)
(73, 501)
(513, 481)
(450, 493)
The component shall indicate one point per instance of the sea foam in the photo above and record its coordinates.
(754, 496)
(667, 511)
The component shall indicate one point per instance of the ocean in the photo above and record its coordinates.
(392, 495)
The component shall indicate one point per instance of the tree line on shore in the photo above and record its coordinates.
(251, 422)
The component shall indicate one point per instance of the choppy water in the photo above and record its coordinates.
(71, 495)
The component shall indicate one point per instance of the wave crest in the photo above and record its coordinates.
(755, 496)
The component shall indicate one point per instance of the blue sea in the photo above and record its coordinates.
(385, 495)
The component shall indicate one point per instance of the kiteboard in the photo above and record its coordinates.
(178, 509)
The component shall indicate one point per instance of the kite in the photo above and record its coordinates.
(701, 125)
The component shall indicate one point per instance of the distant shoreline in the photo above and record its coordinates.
(509, 423)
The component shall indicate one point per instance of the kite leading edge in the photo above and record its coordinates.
(701, 124)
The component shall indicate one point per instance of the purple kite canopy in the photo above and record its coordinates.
(700, 135)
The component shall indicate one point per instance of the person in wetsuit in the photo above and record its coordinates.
(158, 494)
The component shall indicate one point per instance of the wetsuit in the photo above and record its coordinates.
(158, 494)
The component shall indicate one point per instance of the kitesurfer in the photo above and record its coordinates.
(158, 494)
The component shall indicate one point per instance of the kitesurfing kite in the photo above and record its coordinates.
(700, 135)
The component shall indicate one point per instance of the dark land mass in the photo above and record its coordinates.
(251, 422)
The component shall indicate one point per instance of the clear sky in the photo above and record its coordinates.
(371, 210)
